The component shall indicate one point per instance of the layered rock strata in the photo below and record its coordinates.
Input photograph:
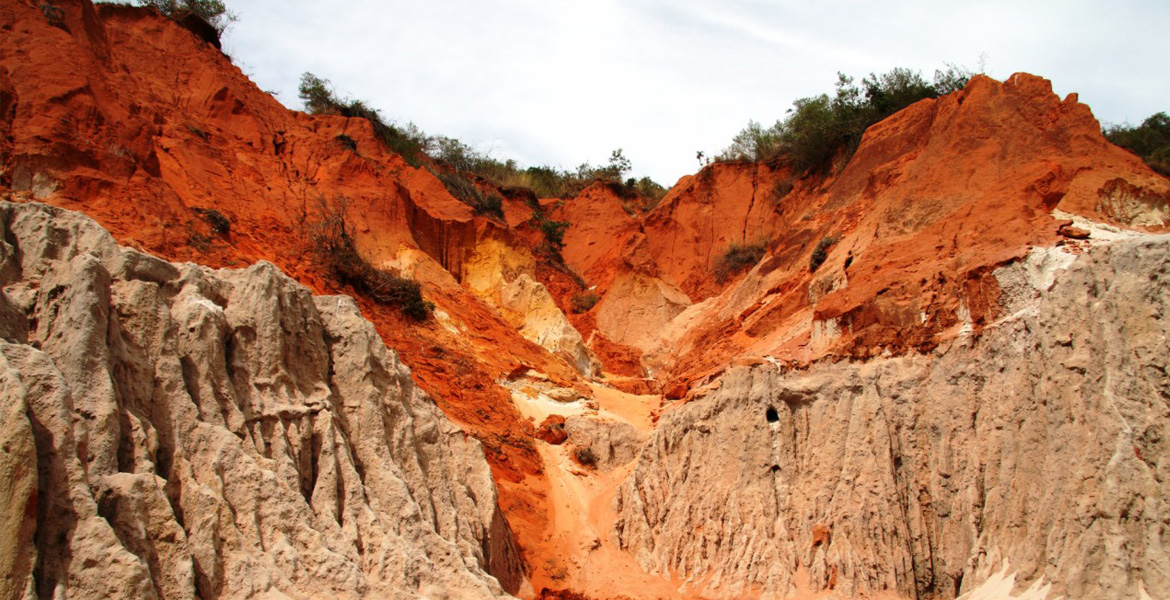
(1040, 444)
(172, 431)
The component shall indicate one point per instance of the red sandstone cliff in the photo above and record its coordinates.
(138, 123)
(935, 198)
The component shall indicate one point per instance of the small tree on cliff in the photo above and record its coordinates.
(333, 245)
(215, 12)
(826, 129)
(316, 94)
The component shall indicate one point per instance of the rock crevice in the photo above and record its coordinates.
(221, 434)
(1039, 443)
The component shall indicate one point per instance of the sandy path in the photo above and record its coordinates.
(578, 554)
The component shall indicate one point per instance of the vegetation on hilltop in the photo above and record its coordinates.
(319, 99)
(465, 191)
(465, 173)
(546, 181)
(820, 130)
(1150, 140)
(214, 12)
(466, 163)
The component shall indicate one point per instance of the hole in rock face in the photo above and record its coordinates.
(771, 415)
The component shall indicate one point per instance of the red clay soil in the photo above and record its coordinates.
(935, 199)
(603, 242)
(601, 236)
(701, 218)
(133, 120)
(552, 430)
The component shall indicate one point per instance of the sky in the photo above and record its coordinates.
(562, 82)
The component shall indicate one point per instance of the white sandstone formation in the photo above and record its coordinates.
(1041, 443)
(171, 432)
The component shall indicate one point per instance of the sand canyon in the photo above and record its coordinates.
(965, 395)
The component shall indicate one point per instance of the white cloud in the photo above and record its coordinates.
(566, 81)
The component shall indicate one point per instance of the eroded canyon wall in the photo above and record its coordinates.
(181, 432)
(1042, 443)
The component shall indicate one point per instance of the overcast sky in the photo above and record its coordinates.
(561, 82)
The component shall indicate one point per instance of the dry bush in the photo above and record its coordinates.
(582, 303)
(332, 243)
(821, 252)
(586, 457)
(739, 258)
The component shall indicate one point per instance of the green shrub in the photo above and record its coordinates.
(491, 204)
(821, 252)
(415, 147)
(332, 243)
(614, 170)
(554, 234)
(466, 192)
(1150, 140)
(753, 143)
(316, 95)
(821, 129)
(650, 192)
(738, 258)
(547, 182)
(951, 79)
(318, 98)
(582, 303)
(817, 130)
(890, 92)
(544, 181)
(214, 12)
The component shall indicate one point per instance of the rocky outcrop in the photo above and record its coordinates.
(223, 434)
(1041, 443)
(18, 498)
(936, 197)
(637, 308)
(540, 320)
(498, 273)
(704, 215)
(128, 117)
(219, 434)
(612, 443)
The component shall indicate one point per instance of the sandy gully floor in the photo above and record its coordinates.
(577, 554)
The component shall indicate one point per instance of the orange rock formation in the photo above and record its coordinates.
(135, 121)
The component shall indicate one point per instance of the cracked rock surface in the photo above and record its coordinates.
(171, 431)
(1042, 443)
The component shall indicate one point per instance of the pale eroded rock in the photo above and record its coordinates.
(499, 274)
(613, 443)
(637, 308)
(220, 434)
(1042, 443)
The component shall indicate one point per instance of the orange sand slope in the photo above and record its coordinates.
(133, 120)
